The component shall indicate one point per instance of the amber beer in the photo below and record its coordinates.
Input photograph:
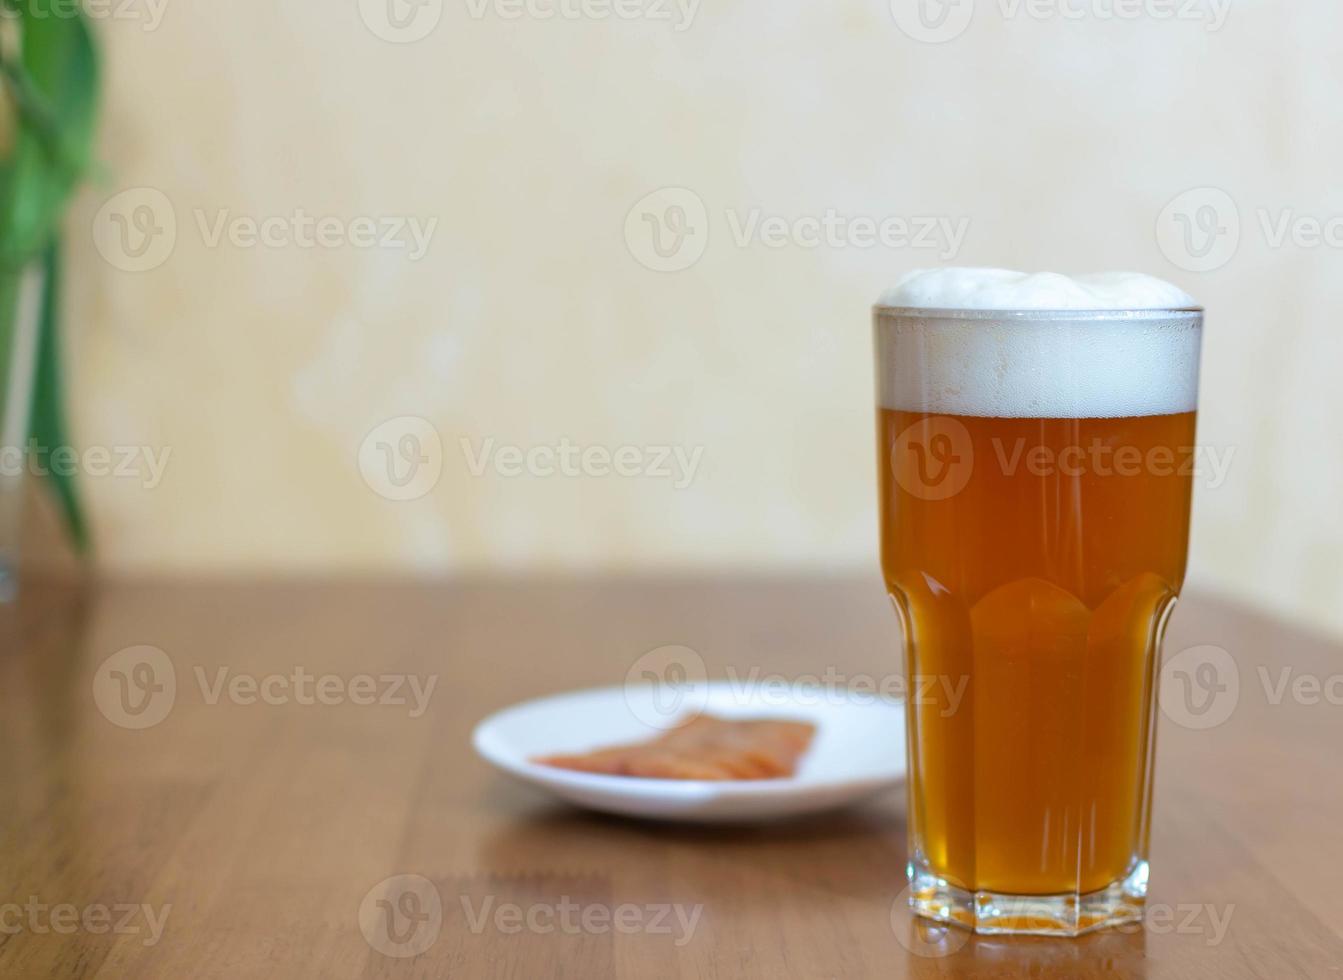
(1035, 496)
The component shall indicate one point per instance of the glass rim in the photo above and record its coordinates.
(952, 313)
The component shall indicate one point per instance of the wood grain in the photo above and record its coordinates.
(254, 832)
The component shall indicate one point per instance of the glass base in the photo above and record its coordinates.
(995, 914)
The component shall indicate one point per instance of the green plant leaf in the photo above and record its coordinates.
(47, 426)
(52, 89)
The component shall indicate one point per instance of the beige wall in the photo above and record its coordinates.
(530, 318)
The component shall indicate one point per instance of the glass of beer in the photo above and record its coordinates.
(1035, 477)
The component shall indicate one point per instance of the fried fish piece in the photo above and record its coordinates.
(702, 747)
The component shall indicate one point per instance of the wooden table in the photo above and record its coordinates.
(233, 839)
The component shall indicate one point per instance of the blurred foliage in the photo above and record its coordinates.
(49, 73)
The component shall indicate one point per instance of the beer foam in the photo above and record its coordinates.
(995, 343)
(1003, 289)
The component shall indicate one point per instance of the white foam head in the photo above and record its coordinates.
(1002, 289)
(1016, 345)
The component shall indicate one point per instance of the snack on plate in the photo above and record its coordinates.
(702, 747)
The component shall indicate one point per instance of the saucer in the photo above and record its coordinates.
(857, 752)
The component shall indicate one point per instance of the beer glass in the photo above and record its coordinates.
(1035, 479)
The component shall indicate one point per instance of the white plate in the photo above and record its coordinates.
(859, 750)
